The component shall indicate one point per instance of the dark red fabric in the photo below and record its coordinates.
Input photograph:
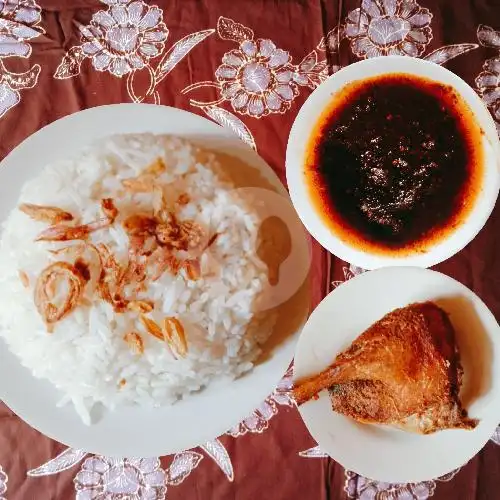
(276, 459)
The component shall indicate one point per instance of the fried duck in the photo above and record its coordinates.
(402, 371)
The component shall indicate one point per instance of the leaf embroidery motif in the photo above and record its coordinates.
(182, 465)
(231, 30)
(448, 52)
(18, 81)
(216, 450)
(178, 51)
(64, 461)
(313, 453)
(70, 65)
(231, 122)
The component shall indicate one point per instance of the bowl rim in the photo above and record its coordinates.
(308, 117)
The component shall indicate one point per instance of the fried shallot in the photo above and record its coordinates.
(135, 342)
(152, 327)
(46, 287)
(109, 209)
(140, 225)
(192, 268)
(42, 213)
(163, 260)
(142, 306)
(110, 277)
(63, 232)
(191, 232)
(176, 336)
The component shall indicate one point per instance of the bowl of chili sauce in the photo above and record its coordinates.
(393, 160)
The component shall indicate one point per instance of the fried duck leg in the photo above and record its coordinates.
(403, 371)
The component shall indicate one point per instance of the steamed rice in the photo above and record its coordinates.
(86, 357)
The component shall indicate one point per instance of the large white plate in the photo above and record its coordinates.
(382, 453)
(133, 431)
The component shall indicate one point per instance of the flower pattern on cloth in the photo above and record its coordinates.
(3, 483)
(488, 81)
(258, 421)
(257, 79)
(389, 27)
(361, 488)
(124, 38)
(19, 21)
(102, 478)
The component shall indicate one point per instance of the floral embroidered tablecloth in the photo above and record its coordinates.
(248, 65)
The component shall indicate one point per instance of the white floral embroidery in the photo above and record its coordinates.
(182, 465)
(102, 478)
(256, 79)
(488, 81)
(19, 21)
(218, 453)
(124, 39)
(3, 483)
(361, 488)
(64, 461)
(349, 272)
(389, 27)
(258, 421)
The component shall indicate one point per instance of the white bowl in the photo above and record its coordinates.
(307, 119)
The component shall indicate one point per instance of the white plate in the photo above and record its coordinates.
(379, 452)
(133, 431)
(309, 115)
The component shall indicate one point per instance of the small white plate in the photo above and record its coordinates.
(307, 119)
(382, 453)
(132, 431)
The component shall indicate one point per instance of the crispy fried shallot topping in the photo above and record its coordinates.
(109, 209)
(110, 277)
(192, 268)
(183, 199)
(176, 336)
(64, 232)
(135, 342)
(46, 288)
(154, 240)
(141, 306)
(152, 327)
(51, 215)
(162, 259)
(140, 225)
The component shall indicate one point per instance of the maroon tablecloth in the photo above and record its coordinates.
(248, 65)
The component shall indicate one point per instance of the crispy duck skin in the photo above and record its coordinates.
(404, 371)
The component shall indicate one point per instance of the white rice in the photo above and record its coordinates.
(86, 357)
